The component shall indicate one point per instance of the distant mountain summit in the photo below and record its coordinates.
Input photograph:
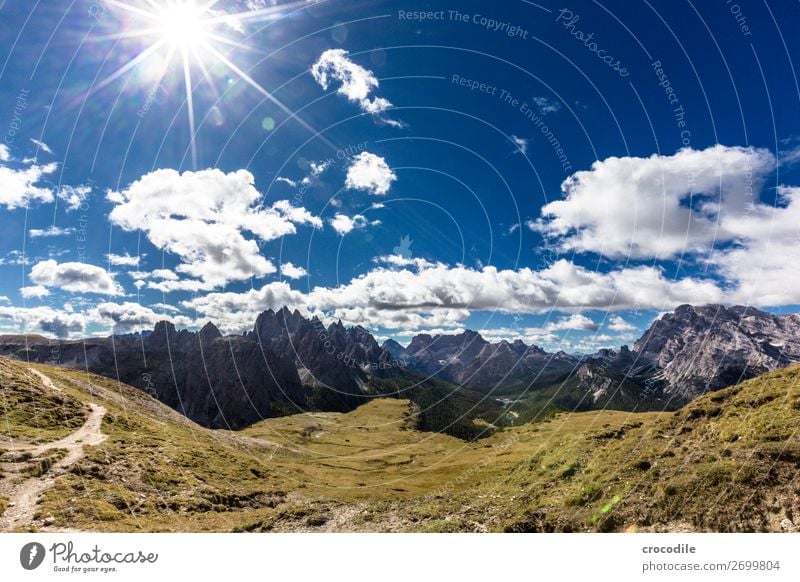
(469, 360)
(697, 349)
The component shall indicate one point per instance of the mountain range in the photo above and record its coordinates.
(288, 364)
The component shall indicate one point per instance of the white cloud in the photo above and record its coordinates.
(236, 312)
(617, 323)
(166, 307)
(643, 208)
(165, 274)
(74, 196)
(521, 144)
(356, 82)
(704, 205)
(41, 145)
(288, 181)
(576, 321)
(344, 224)
(203, 217)
(5, 153)
(125, 260)
(370, 173)
(15, 258)
(42, 320)
(130, 317)
(50, 231)
(545, 105)
(138, 275)
(34, 292)
(404, 261)
(168, 286)
(763, 262)
(18, 187)
(437, 295)
(313, 178)
(74, 277)
(292, 271)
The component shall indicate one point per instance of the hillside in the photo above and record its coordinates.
(726, 462)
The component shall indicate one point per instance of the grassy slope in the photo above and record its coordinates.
(726, 462)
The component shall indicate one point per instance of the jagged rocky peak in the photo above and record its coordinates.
(712, 346)
(272, 324)
(163, 334)
(396, 350)
(209, 333)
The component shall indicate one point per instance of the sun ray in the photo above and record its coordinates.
(261, 13)
(233, 43)
(126, 35)
(133, 9)
(191, 27)
(187, 77)
(141, 57)
(249, 80)
(206, 73)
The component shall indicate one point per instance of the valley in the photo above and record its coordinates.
(727, 461)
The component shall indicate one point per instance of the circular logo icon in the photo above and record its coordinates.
(31, 555)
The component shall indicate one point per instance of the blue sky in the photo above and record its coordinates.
(556, 173)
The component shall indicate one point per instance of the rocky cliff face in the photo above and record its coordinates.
(334, 362)
(219, 382)
(286, 364)
(697, 349)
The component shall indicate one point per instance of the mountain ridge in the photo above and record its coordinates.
(288, 363)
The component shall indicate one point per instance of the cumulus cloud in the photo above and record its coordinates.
(50, 231)
(370, 173)
(74, 196)
(125, 260)
(703, 204)
(41, 320)
(576, 321)
(658, 207)
(5, 153)
(74, 277)
(292, 271)
(164, 274)
(344, 224)
(762, 263)
(210, 219)
(21, 186)
(617, 323)
(130, 317)
(356, 82)
(437, 295)
(34, 292)
(236, 312)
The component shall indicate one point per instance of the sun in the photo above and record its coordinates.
(193, 34)
(183, 25)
